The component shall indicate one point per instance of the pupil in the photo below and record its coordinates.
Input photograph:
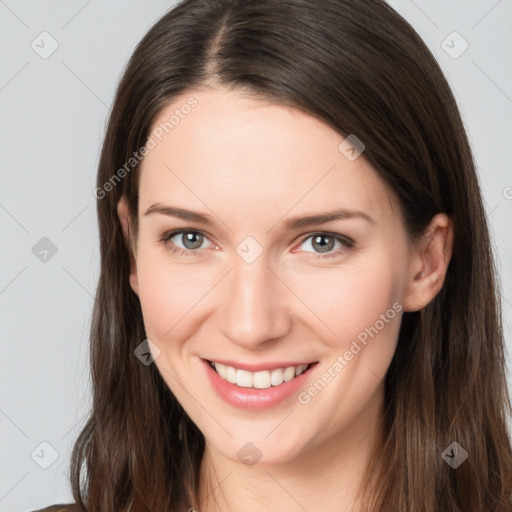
(323, 247)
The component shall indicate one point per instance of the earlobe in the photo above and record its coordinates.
(429, 264)
(124, 218)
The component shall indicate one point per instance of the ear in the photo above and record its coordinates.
(124, 217)
(431, 255)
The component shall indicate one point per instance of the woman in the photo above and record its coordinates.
(297, 307)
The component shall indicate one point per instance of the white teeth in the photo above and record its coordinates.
(276, 377)
(289, 373)
(222, 371)
(259, 380)
(300, 369)
(244, 379)
(230, 374)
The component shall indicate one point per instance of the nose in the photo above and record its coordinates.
(254, 306)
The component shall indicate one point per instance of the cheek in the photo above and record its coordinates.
(174, 297)
(349, 299)
(166, 292)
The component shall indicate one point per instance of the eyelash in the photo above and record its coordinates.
(348, 244)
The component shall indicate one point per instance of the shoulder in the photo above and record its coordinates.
(58, 508)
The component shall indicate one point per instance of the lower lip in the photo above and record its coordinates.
(252, 398)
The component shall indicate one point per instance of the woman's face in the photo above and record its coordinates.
(254, 287)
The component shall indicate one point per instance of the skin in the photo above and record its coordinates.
(251, 165)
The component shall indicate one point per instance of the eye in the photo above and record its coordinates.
(190, 240)
(324, 244)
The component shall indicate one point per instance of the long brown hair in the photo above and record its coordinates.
(363, 70)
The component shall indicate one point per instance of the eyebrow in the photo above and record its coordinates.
(297, 222)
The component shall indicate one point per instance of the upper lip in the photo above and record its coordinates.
(257, 367)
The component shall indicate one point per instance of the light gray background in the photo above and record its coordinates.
(53, 114)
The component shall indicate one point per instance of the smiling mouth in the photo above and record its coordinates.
(259, 380)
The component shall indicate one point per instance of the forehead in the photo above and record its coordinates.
(246, 156)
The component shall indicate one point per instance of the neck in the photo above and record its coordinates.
(326, 477)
